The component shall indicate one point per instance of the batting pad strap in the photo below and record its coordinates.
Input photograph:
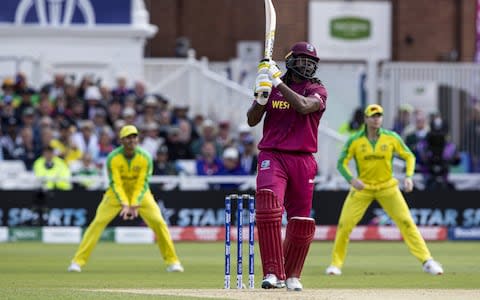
(299, 235)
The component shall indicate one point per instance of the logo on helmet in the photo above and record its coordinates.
(310, 48)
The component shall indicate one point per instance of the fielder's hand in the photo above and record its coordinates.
(263, 88)
(357, 184)
(125, 212)
(270, 67)
(408, 184)
(129, 212)
(134, 211)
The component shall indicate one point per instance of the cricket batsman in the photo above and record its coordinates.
(373, 149)
(129, 169)
(293, 105)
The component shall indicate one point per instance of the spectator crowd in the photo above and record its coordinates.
(68, 128)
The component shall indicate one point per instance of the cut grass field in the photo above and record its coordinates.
(38, 271)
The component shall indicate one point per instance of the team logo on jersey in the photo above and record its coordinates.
(136, 168)
(363, 147)
(265, 165)
(277, 104)
(384, 147)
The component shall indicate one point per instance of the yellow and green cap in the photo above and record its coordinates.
(128, 130)
(373, 109)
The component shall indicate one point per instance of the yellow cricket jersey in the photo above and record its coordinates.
(129, 177)
(374, 160)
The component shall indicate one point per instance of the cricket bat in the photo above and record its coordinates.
(270, 24)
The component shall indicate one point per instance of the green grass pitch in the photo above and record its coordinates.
(31, 270)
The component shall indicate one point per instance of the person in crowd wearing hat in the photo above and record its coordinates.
(292, 108)
(8, 87)
(52, 170)
(180, 111)
(93, 102)
(149, 114)
(28, 117)
(373, 149)
(128, 195)
(231, 167)
(129, 115)
(151, 141)
(86, 139)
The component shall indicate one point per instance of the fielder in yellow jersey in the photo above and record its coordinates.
(373, 149)
(129, 169)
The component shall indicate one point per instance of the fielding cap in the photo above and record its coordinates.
(373, 109)
(128, 130)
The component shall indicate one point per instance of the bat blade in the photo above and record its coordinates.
(270, 24)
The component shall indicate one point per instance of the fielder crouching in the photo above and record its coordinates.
(129, 170)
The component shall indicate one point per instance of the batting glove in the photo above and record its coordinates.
(270, 67)
(263, 88)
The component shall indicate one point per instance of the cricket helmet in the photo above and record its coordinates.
(302, 60)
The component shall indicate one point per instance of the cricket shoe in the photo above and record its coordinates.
(432, 267)
(176, 267)
(332, 270)
(74, 268)
(293, 284)
(271, 282)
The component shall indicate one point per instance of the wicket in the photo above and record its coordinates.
(251, 239)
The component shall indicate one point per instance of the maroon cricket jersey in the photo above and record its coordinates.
(285, 129)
